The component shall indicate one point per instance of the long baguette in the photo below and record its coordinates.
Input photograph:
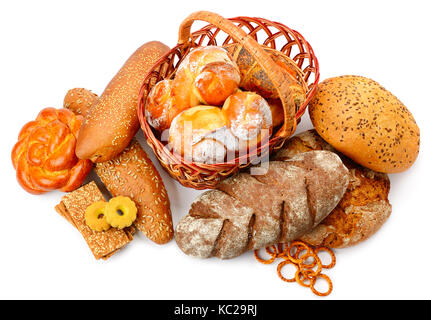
(251, 212)
(112, 121)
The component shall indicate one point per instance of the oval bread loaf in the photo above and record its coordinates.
(113, 121)
(132, 174)
(364, 207)
(251, 212)
(367, 123)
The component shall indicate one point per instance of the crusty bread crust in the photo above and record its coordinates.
(251, 212)
(364, 207)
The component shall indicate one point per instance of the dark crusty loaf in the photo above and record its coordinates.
(250, 212)
(364, 207)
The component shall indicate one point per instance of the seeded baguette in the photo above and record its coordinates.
(113, 121)
(251, 212)
(132, 174)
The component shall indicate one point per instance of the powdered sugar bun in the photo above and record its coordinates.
(199, 134)
(200, 56)
(248, 116)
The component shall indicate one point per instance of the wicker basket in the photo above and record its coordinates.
(254, 34)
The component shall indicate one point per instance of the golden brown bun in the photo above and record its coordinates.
(277, 112)
(207, 75)
(112, 121)
(367, 123)
(132, 174)
(159, 104)
(216, 82)
(44, 156)
(363, 209)
(249, 118)
(79, 100)
(199, 134)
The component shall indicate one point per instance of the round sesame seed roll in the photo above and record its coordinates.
(365, 122)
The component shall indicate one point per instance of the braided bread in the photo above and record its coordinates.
(44, 156)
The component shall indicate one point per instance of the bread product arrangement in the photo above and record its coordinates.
(362, 210)
(229, 221)
(103, 244)
(219, 111)
(132, 174)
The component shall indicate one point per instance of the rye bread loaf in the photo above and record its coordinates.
(364, 207)
(251, 212)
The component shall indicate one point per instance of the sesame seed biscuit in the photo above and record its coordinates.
(102, 244)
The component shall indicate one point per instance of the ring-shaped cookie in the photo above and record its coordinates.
(298, 279)
(297, 245)
(281, 265)
(280, 249)
(331, 253)
(270, 260)
(313, 282)
(316, 261)
(121, 212)
(95, 216)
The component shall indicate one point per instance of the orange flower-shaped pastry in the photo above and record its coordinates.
(44, 156)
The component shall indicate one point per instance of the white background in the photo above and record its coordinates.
(48, 47)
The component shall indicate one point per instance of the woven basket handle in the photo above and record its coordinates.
(262, 58)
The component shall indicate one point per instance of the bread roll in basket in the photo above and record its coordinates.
(258, 37)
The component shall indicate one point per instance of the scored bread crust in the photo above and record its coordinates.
(364, 207)
(251, 212)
